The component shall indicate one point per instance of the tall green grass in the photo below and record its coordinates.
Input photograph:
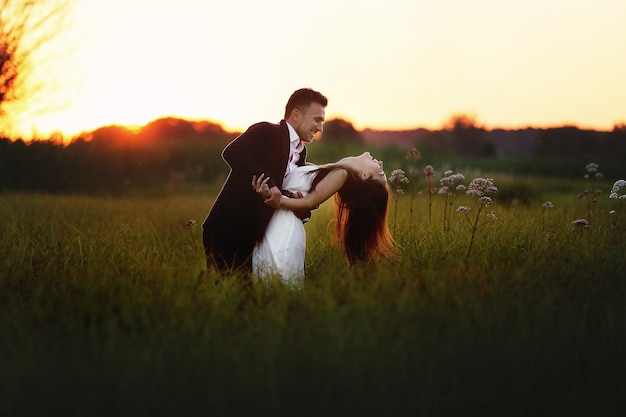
(106, 308)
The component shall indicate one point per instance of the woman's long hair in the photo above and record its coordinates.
(361, 214)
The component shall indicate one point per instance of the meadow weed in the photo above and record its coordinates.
(429, 173)
(450, 183)
(618, 192)
(589, 194)
(398, 182)
(413, 156)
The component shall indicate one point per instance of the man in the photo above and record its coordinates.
(239, 217)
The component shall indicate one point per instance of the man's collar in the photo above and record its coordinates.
(293, 136)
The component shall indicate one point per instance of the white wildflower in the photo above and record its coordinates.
(398, 179)
(473, 193)
(450, 179)
(592, 167)
(619, 190)
(480, 187)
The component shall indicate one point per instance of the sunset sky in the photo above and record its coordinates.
(390, 64)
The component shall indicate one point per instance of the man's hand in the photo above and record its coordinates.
(271, 196)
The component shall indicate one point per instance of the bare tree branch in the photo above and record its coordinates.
(27, 28)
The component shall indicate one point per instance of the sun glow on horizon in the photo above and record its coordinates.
(541, 63)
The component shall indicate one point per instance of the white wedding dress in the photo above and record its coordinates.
(281, 252)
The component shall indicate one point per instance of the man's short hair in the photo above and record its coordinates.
(302, 99)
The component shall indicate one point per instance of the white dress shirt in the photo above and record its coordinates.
(295, 148)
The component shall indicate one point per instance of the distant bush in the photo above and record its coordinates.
(517, 192)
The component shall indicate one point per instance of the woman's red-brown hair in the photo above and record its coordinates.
(361, 213)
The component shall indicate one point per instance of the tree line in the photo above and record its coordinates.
(115, 159)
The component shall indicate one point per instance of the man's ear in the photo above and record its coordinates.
(296, 115)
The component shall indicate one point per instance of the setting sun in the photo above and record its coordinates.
(390, 65)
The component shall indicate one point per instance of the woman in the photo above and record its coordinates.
(362, 195)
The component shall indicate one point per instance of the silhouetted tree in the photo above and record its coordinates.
(341, 131)
(468, 139)
(619, 131)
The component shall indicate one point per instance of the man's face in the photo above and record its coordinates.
(310, 122)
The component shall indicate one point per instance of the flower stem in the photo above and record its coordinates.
(430, 200)
(474, 227)
(395, 214)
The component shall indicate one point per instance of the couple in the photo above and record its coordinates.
(260, 224)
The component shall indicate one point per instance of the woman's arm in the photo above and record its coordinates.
(328, 186)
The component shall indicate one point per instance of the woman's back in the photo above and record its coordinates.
(300, 179)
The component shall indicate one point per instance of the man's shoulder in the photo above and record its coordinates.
(266, 127)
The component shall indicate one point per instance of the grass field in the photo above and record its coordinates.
(106, 308)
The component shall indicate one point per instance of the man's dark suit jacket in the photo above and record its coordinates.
(239, 217)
